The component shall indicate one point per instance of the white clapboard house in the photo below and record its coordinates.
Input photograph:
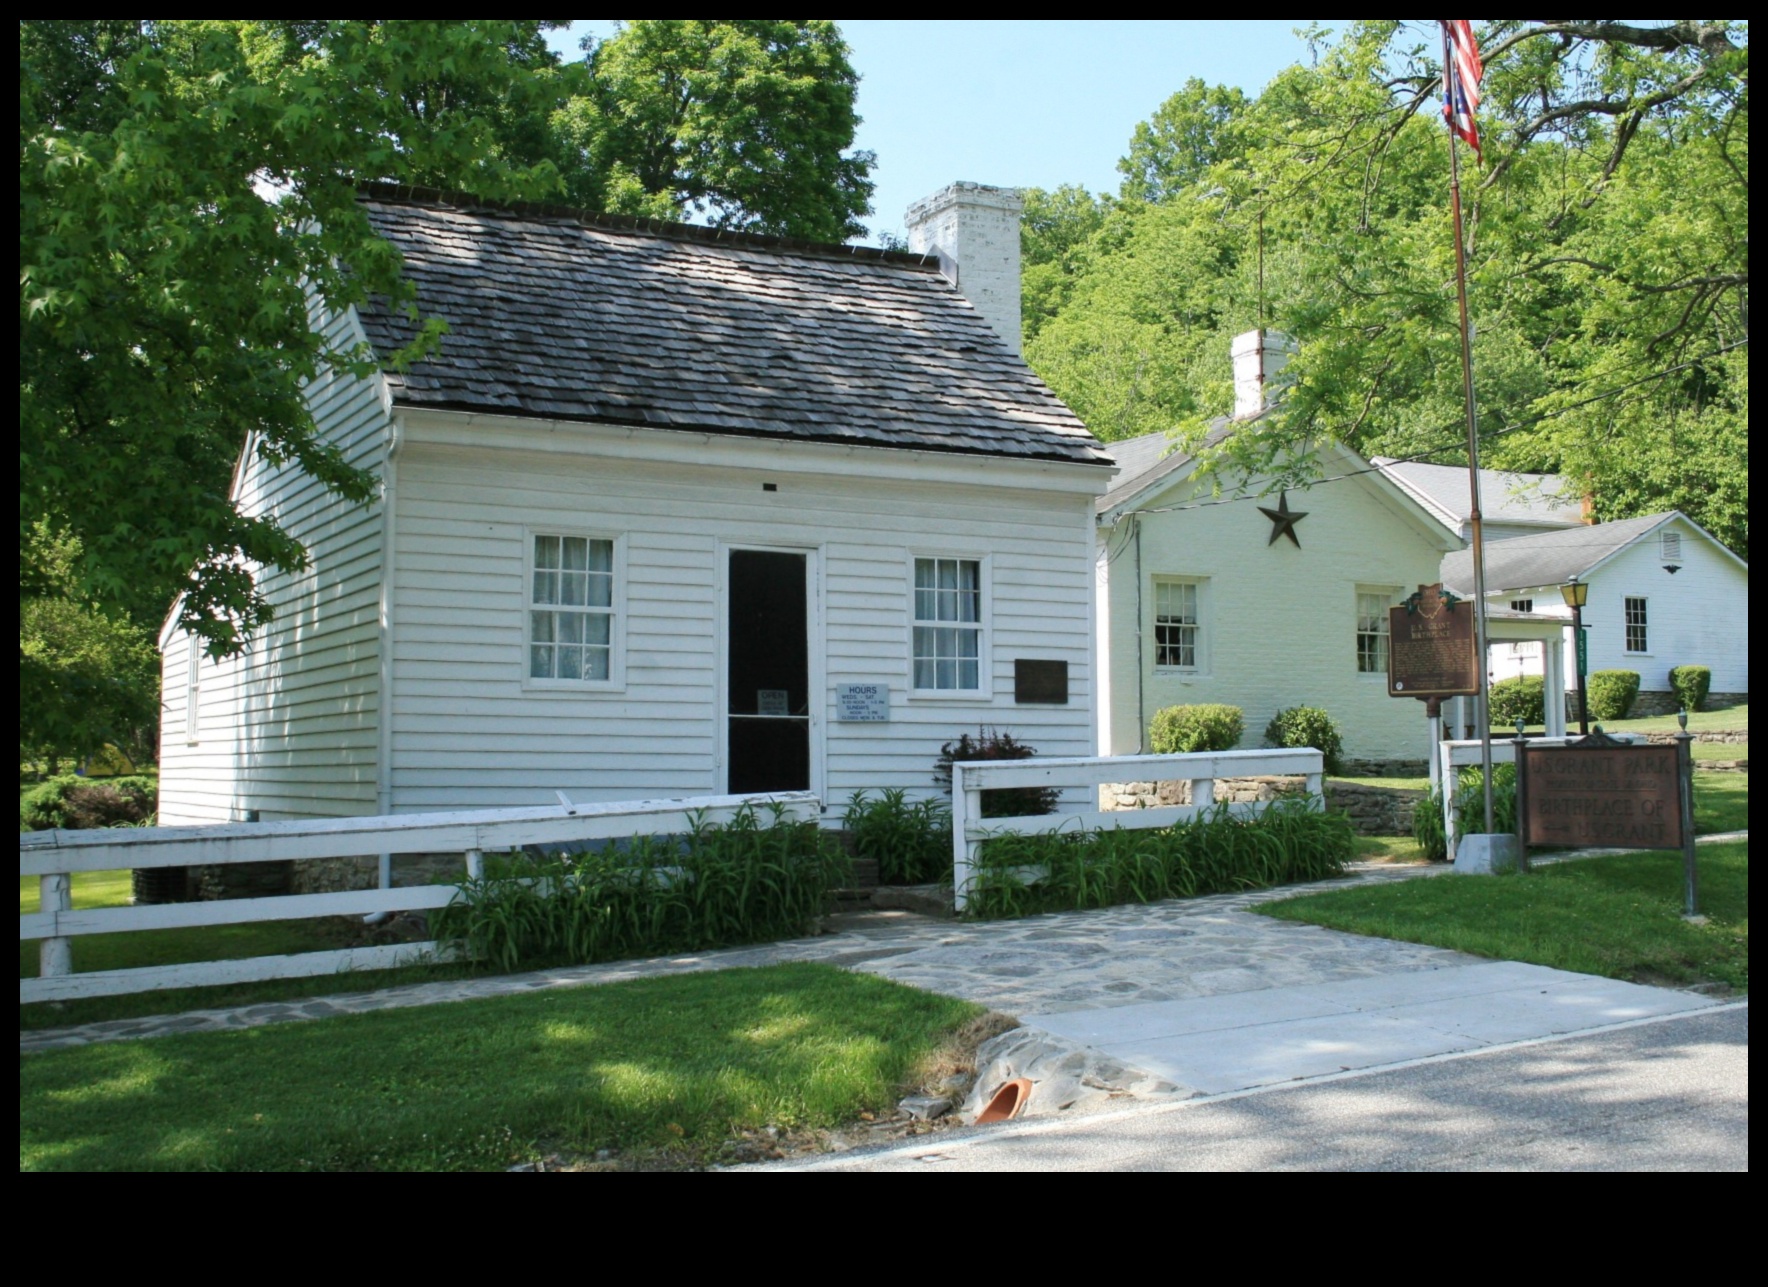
(1258, 603)
(1661, 592)
(672, 512)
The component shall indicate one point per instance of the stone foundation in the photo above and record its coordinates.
(336, 875)
(240, 880)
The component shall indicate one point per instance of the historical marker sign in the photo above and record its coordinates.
(1626, 797)
(1430, 647)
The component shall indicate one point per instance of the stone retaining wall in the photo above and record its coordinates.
(1149, 795)
(1384, 768)
(1374, 810)
(1724, 736)
(338, 875)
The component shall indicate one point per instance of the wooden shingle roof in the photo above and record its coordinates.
(577, 317)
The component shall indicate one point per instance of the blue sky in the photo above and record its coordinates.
(1026, 104)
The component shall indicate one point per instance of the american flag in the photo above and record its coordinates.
(1461, 75)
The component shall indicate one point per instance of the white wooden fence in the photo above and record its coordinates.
(1201, 769)
(1453, 756)
(54, 856)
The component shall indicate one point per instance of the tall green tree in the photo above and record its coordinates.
(187, 191)
(745, 124)
(1608, 241)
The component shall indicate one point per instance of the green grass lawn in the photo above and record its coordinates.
(1721, 802)
(671, 1064)
(1618, 916)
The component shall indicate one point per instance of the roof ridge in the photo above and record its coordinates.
(407, 194)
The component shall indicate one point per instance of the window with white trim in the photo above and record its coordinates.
(571, 609)
(1637, 638)
(1372, 608)
(193, 690)
(948, 625)
(1178, 624)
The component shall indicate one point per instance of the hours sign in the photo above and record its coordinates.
(1431, 649)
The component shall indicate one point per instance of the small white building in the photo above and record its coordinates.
(672, 512)
(1258, 603)
(1662, 592)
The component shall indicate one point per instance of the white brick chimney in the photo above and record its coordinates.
(974, 229)
(1258, 357)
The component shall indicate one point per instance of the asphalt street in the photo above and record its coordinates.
(1661, 1094)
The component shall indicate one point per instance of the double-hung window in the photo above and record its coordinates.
(1178, 625)
(948, 625)
(571, 606)
(1637, 638)
(1372, 631)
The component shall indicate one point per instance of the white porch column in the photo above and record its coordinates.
(1553, 686)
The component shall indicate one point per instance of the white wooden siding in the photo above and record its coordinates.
(288, 729)
(1279, 623)
(1697, 616)
(466, 733)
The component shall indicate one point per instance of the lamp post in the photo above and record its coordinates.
(1576, 593)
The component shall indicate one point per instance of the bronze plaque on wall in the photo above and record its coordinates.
(1430, 647)
(1620, 796)
(1040, 682)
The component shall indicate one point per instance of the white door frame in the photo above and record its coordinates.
(817, 696)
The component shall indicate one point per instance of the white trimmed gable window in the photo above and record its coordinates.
(193, 690)
(1178, 624)
(948, 625)
(571, 607)
(1372, 631)
(1637, 638)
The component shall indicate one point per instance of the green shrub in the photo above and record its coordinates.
(739, 882)
(1307, 726)
(1612, 693)
(79, 804)
(1215, 852)
(1691, 685)
(911, 843)
(1427, 828)
(1470, 800)
(1522, 698)
(1179, 730)
(992, 744)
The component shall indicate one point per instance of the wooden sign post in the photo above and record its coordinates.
(1599, 791)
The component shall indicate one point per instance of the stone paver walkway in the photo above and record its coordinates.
(1067, 961)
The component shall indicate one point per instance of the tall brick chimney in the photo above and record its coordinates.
(1258, 357)
(974, 228)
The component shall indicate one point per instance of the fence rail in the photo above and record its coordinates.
(1201, 769)
(55, 856)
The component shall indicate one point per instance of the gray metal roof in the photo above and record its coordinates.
(566, 316)
(1543, 499)
(1144, 461)
(1551, 558)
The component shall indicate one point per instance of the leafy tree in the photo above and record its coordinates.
(1198, 127)
(84, 678)
(1608, 244)
(163, 301)
(747, 124)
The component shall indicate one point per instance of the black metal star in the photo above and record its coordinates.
(1282, 521)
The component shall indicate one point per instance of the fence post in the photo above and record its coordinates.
(475, 864)
(1451, 825)
(964, 803)
(1316, 784)
(55, 955)
(1202, 792)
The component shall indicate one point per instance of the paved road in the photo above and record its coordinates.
(1661, 1094)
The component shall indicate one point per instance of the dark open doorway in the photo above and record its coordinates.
(768, 683)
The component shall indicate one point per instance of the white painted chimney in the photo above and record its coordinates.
(974, 229)
(1258, 357)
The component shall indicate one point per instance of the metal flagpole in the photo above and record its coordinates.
(1480, 708)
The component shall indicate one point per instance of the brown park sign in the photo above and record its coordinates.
(1430, 647)
(1620, 796)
